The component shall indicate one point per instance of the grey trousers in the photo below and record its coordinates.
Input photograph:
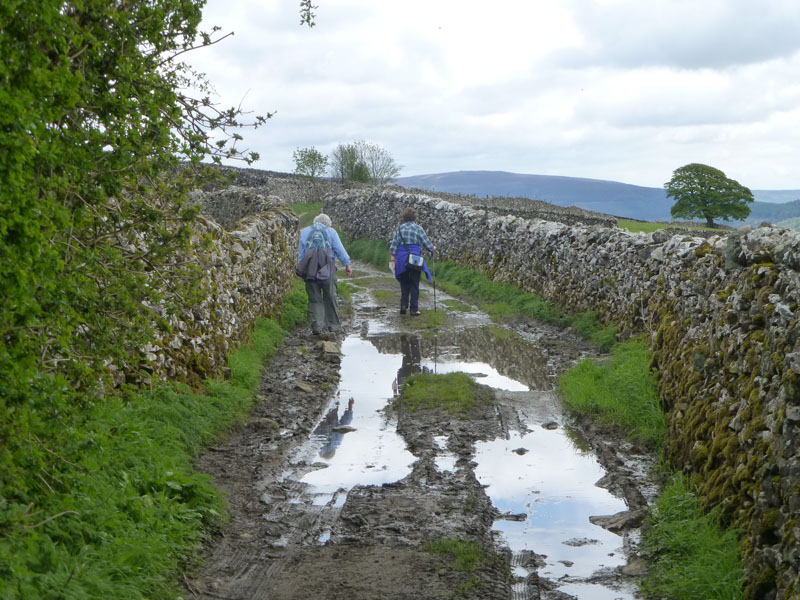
(323, 305)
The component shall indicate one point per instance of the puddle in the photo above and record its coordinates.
(354, 441)
(549, 494)
(545, 491)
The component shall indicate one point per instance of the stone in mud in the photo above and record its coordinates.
(513, 517)
(550, 425)
(577, 542)
(304, 386)
(637, 567)
(620, 521)
(521, 451)
(264, 424)
(329, 350)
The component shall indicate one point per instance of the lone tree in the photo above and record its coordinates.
(309, 162)
(703, 191)
(363, 162)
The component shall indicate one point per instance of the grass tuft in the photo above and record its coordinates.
(621, 392)
(454, 392)
(694, 556)
(466, 556)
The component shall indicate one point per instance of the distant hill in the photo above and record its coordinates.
(793, 223)
(610, 197)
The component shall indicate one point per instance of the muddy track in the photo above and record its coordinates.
(288, 540)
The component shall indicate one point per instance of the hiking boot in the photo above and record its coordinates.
(415, 313)
(402, 311)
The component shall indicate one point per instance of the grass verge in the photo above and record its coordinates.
(499, 300)
(693, 555)
(117, 510)
(620, 392)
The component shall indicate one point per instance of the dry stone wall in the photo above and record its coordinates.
(246, 269)
(721, 314)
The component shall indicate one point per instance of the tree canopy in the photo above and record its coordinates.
(703, 191)
(309, 162)
(97, 115)
(363, 162)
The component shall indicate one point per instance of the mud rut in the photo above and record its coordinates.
(285, 542)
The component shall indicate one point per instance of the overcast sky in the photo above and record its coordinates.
(624, 90)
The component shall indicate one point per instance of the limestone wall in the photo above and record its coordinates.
(292, 188)
(721, 314)
(246, 269)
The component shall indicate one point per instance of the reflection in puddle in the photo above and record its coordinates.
(357, 443)
(552, 486)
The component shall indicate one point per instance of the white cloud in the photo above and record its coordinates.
(610, 89)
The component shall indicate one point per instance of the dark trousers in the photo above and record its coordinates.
(409, 289)
(323, 305)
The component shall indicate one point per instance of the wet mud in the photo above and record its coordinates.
(336, 492)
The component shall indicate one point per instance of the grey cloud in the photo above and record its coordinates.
(686, 33)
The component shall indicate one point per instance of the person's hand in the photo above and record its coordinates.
(349, 270)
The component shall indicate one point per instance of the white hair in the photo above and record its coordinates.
(324, 219)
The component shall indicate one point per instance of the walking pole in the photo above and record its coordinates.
(433, 280)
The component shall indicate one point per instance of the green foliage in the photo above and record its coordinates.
(307, 14)
(499, 299)
(621, 392)
(454, 392)
(693, 555)
(93, 214)
(309, 162)
(703, 191)
(113, 507)
(363, 162)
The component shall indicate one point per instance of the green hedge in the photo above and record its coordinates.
(106, 504)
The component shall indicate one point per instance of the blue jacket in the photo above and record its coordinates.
(402, 255)
(337, 249)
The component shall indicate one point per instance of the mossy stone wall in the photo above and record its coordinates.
(721, 314)
(246, 269)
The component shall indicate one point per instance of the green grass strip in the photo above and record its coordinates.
(499, 300)
(650, 227)
(621, 392)
(694, 556)
(119, 510)
(454, 392)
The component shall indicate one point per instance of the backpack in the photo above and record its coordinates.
(316, 264)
